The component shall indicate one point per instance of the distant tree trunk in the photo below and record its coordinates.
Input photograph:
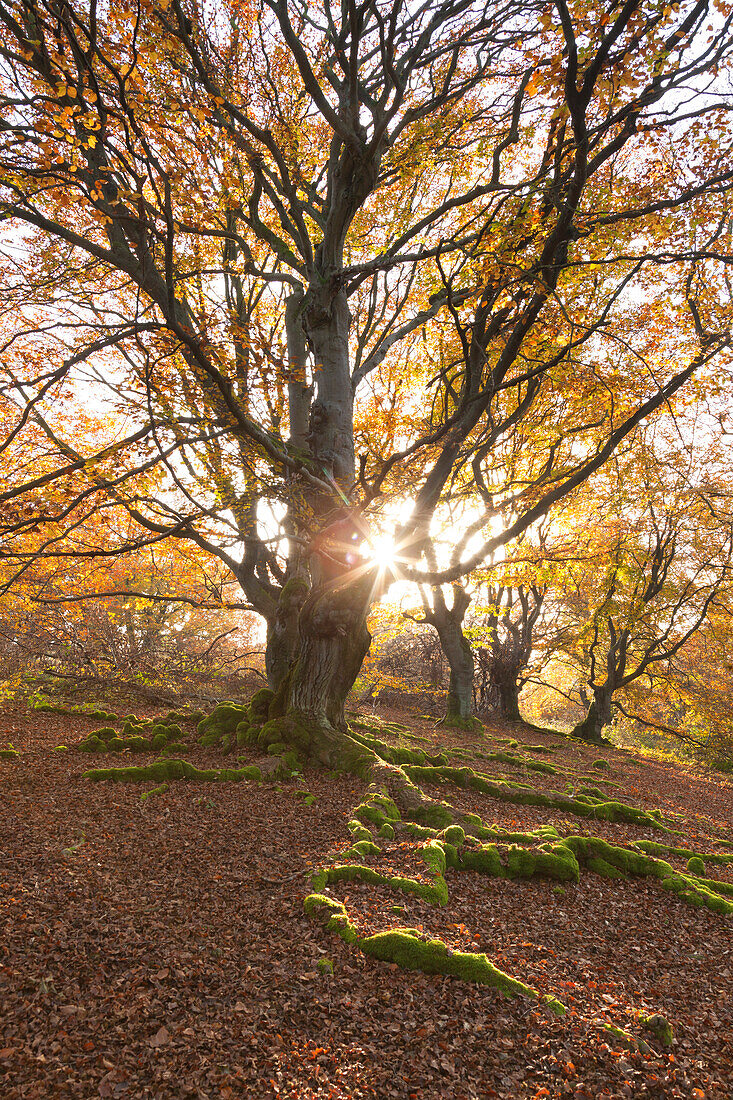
(460, 660)
(508, 692)
(448, 623)
(510, 634)
(598, 716)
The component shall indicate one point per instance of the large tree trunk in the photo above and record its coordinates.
(459, 708)
(328, 663)
(508, 691)
(283, 636)
(597, 718)
(448, 622)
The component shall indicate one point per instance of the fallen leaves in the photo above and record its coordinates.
(156, 961)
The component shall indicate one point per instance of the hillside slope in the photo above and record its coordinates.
(160, 947)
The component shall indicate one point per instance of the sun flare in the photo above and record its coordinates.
(382, 551)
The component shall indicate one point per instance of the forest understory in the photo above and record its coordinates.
(160, 947)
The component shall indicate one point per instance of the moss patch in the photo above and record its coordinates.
(660, 1027)
(154, 792)
(526, 796)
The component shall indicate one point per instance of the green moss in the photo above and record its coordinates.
(392, 754)
(362, 849)
(259, 704)
(606, 870)
(137, 743)
(553, 861)
(104, 733)
(538, 748)
(60, 748)
(434, 892)
(557, 1008)
(376, 809)
(359, 831)
(519, 762)
(159, 741)
(660, 1027)
(224, 718)
(435, 816)
(9, 754)
(521, 795)
(386, 831)
(332, 914)
(699, 893)
(484, 859)
(601, 765)
(92, 743)
(404, 947)
(696, 866)
(619, 1037)
(420, 832)
(433, 855)
(454, 835)
(154, 792)
(324, 966)
(456, 722)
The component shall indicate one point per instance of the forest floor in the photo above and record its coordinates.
(160, 948)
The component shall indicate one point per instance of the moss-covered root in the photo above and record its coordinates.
(582, 806)
(406, 948)
(9, 753)
(659, 1027)
(409, 798)
(615, 862)
(154, 792)
(458, 722)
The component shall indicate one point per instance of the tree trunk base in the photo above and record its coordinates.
(461, 722)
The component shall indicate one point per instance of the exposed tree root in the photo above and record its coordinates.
(541, 853)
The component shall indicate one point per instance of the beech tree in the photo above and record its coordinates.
(254, 213)
(513, 614)
(645, 575)
(447, 619)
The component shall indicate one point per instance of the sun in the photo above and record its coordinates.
(381, 550)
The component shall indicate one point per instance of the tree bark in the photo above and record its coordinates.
(460, 659)
(598, 717)
(509, 700)
(448, 622)
(282, 631)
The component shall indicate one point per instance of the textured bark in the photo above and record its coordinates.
(509, 700)
(460, 660)
(333, 641)
(331, 435)
(282, 631)
(448, 622)
(597, 718)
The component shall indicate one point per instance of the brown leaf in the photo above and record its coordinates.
(160, 1038)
